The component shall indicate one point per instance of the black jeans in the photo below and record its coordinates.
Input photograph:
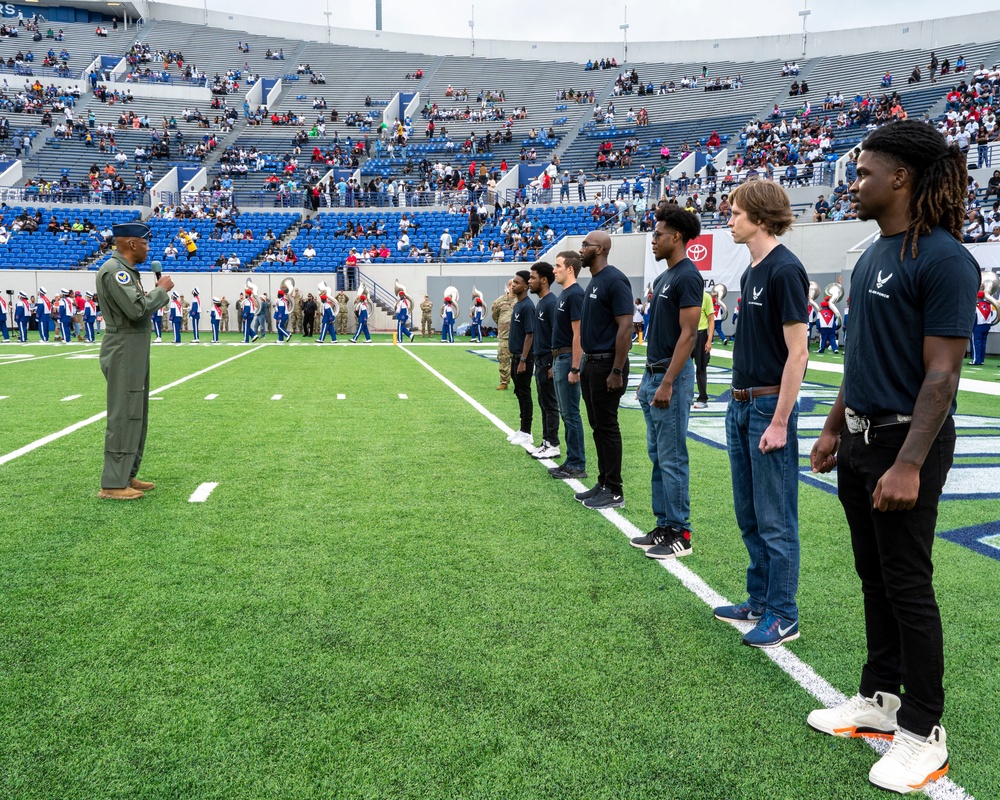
(701, 365)
(522, 388)
(892, 555)
(547, 402)
(602, 415)
(307, 325)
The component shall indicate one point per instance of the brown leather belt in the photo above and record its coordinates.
(560, 350)
(746, 395)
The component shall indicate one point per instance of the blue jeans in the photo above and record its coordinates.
(568, 397)
(666, 441)
(766, 500)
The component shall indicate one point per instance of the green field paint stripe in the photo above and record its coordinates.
(90, 420)
(791, 664)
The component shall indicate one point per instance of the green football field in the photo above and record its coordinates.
(381, 598)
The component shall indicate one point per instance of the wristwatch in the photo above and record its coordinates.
(524, 360)
(574, 370)
(616, 371)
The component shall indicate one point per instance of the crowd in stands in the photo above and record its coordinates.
(604, 63)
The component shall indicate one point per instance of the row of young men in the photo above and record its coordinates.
(890, 433)
(66, 312)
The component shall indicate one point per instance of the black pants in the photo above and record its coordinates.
(701, 365)
(602, 415)
(522, 388)
(307, 324)
(547, 401)
(892, 555)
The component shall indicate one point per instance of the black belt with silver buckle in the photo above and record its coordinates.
(598, 356)
(658, 368)
(860, 423)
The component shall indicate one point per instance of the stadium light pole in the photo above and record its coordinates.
(624, 29)
(327, 14)
(804, 14)
(472, 29)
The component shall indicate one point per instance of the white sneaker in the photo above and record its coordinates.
(510, 436)
(546, 451)
(912, 762)
(543, 446)
(859, 716)
(157, 340)
(521, 438)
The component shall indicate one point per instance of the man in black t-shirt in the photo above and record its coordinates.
(668, 381)
(541, 279)
(891, 436)
(606, 337)
(521, 341)
(567, 353)
(769, 361)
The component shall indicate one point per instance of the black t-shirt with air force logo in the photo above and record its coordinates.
(546, 310)
(774, 292)
(678, 287)
(609, 295)
(569, 307)
(894, 305)
(522, 322)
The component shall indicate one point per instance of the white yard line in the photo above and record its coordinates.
(213, 396)
(4, 396)
(65, 354)
(792, 665)
(341, 396)
(71, 397)
(200, 495)
(276, 397)
(84, 423)
(403, 397)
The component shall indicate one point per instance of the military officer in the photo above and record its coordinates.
(342, 301)
(426, 318)
(501, 311)
(125, 359)
(224, 311)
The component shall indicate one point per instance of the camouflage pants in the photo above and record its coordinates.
(426, 328)
(224, 321)
(503, 356)
(342, 322)
(296, 322)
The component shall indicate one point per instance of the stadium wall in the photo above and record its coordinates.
(925, 34)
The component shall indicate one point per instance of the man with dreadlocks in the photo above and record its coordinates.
(891, 435)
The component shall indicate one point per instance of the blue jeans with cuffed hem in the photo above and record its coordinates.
(666, 442)
(766, 500)
(568, 397)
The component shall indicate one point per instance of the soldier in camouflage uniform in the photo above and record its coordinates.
(501, 311)
(185, 308)
(296, 316)
(224, 322)
(342, 301)
(426, 318)
(127, 311)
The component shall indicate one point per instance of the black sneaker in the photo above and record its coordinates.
(675, 544)
(557, 468)
(584, 496)
(564, 472)
(654, 537)
(606, 498)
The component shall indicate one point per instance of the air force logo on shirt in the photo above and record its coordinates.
(879, 283)
(562, 305)
(123, 277)
(755, 301)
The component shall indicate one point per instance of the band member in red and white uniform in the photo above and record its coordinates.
(986, 318)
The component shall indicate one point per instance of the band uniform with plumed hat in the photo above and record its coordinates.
(131, 230)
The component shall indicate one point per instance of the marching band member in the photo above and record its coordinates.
(328, 324)
(89, 316)
(281, 316)
(717, 313)
(249, 312)
(477, 320)
(986, 317)
(157, 320)
(67, 309)
(194, 313)
(43, 313)
(402, 312)
(361, 310)
(3, 321)
(215, 315)
(22, 314)
(176, 315)
(448, 326)
(827, 322)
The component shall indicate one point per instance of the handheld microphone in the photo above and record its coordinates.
(157, 268)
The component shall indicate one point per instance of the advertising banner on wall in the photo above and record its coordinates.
(718, 258)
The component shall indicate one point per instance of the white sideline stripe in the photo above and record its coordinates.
(71, 397)
(403, 397)
(341, 396)
(4, 396)
(200, 495)
(804, 675)
(29, 359)
(276, 397)
(84, 423)
(211, 396)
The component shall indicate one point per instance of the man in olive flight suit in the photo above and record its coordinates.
(125, 359)
(501, 311)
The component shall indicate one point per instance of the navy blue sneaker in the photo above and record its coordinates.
(741, 612)
(772, 631)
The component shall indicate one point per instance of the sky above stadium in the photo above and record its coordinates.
(598, 20)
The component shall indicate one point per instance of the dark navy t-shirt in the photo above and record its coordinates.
(894, 305)
(569, 308)
(546, 311)
(680, 286)
(522, 322)
(609, 295)
(774, 292)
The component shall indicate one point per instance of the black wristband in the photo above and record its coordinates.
(574, 371)
(616, 371)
